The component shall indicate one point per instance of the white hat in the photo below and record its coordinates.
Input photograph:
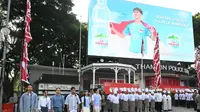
(142, 89)
(121, 89)
(116, 90)
(146, 90)
(125, 89)
(152, 92)
(139, 91)
(129, 90)
(164, 91)
(168, 92)
(192, 90)
(136, 89)
(111, 90)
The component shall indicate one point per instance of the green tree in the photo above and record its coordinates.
(196, 26)
(55, 32)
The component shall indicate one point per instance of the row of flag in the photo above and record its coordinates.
(27, 39)
(156, 57)
(197, 65)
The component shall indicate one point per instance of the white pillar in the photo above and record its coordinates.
(129, 75)
(116, 71)
(124, 78)
(93, 71)
(133, 77)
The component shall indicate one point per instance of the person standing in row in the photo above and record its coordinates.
(125, 101)
(72, 101)
(86, 100)
(139, 101)
(197, 101)
(44, 104)
(176, 98)
(194, 96)
(57, 101)
(152, 97)
(132, 101)
(103, 101)
(109, 102)
(115, 101)
(29, 101)
(164, 98)
(158, 100)
(146, 100)
(96, 99)
(169, 101)
(187, 95)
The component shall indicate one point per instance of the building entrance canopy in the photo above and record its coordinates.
(116, 67)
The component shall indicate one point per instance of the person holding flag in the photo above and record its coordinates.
(137, 29)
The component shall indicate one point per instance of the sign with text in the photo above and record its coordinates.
(169, 68)
(119, 32)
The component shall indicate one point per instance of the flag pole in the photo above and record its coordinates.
(4, 54)
(79, 71)
(142, 63)
(142, 72)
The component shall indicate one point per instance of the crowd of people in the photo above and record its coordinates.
(119, 100)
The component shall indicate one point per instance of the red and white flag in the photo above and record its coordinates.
(197, 65)
(27, 39)
(156, 63)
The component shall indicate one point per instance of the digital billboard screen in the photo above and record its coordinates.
(120, 29)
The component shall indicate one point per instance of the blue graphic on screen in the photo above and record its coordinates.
(120, 29)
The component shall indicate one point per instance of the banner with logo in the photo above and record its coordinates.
(108, 86)
(118, 32)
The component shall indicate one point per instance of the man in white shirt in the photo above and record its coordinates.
(146, 100)
(169, 101)
(72, 101)
(158, 99)
(176, 98)
(187, 96)
(44, 103)
(115, 101)
(109, 98)
(132, 101)
(183, 98)
(152, 97)
(139, 101)
(125, 101)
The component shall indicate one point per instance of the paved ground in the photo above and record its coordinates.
(181, 109)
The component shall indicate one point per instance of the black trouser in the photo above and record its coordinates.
(184, 103)
(198, 110)
(158, 106)
(44, 109)
(195, 106)
(102, 108)
(188, 104)
(176, 103)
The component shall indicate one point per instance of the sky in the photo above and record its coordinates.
(81, 6)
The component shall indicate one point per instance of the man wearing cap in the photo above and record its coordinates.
(121, 98)
(187, 95)
(169, 101)
(194, 96)
(139, 101)
(115, 101)
(164, 97)
(132, 101)
(109, 98)
(176, 98)
(125, 101)
(152, 109)
(158, 100)
(146, 100)
(191, 98)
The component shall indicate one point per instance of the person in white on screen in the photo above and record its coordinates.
(44, 103)
(125, 101)
(96, 99)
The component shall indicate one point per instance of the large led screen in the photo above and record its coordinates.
(120, 28)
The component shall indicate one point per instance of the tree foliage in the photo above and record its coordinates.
(196, 26)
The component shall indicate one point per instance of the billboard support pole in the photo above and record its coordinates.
(142, 73)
